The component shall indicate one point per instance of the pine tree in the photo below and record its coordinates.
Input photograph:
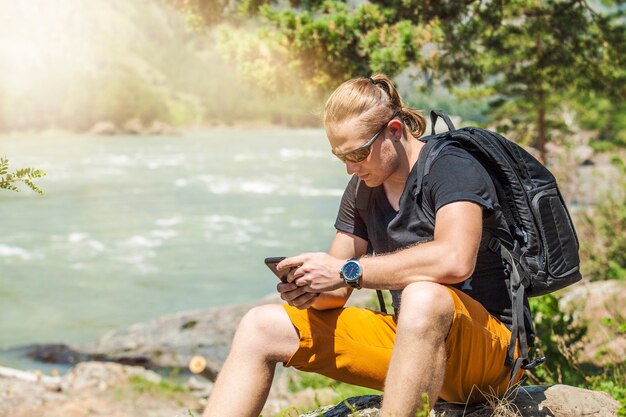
(527, 55)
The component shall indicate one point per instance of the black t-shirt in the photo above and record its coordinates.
(454, 176)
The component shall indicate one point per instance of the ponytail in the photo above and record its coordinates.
(412, 117)
(375, 98)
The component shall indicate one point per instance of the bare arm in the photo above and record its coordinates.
(448, 259)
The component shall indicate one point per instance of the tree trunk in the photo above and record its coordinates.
(541, 126)
(541, 107)
(53, 382)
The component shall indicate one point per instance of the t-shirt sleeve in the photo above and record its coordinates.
(456, 176)
(348, 218)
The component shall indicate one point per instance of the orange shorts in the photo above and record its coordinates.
(354, 345)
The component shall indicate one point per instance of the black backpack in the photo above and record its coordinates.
(541, 248)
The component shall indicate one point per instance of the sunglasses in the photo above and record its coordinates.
(362, 152)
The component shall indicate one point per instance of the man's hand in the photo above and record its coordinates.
(315, 272)
(296, 296)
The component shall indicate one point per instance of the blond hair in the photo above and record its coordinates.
(375, 99)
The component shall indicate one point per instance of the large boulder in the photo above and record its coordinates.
(172, 341)
(533, 401)
(104, 128)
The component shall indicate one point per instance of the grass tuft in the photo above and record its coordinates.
(142, 385)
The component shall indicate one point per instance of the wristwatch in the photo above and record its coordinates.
(351, 272)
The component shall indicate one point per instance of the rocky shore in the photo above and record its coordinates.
(122, 371)
(533, 401)
(96, 388)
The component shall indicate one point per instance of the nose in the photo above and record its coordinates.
(351, 167)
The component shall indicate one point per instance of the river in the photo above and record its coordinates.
(134, 227)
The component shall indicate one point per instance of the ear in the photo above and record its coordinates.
(395, 127)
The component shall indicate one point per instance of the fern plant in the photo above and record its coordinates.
(8, 180)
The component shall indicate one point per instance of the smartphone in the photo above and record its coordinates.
(271, 263)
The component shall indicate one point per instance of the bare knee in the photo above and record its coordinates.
(267, 330)
(427, 306)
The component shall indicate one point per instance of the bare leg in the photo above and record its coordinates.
(418, 362)
(264, 337)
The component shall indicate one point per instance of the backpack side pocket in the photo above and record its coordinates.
(559, 238)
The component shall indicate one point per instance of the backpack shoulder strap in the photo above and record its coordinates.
(434, 114)
(363, 195)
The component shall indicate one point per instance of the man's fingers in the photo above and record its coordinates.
(307, 304)
(291, 295)
(291, 276)
(282, 287)
(293, 261)
(311, 301)
(304, 301)
(299, 297)
(301, 282)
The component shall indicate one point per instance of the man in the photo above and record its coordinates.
(441, 341)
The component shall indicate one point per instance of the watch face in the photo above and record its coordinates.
(351, 270)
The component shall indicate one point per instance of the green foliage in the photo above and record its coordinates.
(424, 409)
(304, 380)
(289, 412)
(143, 65)
(332, 41)
(142, 385)
(373, 303)
(560, 339)
(543, 52)
(473, 112)
(201, 13)
(607, 117)
(25, 175)
(603, 234)
(524, 56)
(617, 324)
(120, 96)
